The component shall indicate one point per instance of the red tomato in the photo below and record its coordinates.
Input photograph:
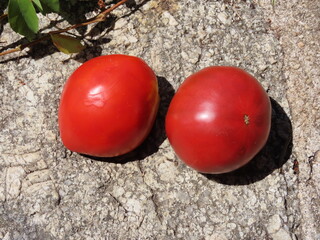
(108, 106)
(219, 119)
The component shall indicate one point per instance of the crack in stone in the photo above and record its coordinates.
(119, 203)
(153, 195)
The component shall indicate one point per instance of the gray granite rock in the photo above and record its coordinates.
(48, 192)
(296, 23)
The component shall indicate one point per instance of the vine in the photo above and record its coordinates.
(23, 19)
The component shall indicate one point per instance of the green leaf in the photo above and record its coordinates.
(50, 6)
(66, 44)
(23, 18)
(38, 4)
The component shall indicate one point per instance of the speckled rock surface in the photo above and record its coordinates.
(47, 192)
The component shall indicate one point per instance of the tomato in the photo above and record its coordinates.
(108, 106)
(219, 119)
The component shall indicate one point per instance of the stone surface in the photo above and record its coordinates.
(48, 192)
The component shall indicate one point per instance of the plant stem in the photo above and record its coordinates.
(3, 16)
(99, 18)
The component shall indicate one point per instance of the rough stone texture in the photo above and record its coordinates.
(47, 192)
(297, 24)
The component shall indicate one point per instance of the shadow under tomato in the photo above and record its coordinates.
(274, 154)
(157, 134)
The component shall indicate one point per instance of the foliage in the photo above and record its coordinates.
(66, 44)
(22, 15)
(23, 19)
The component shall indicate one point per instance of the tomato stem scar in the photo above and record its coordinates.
(246, 119)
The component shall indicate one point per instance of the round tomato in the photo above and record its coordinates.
(108, 106)
(219, 119)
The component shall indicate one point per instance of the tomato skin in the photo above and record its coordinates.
(219, 119)
(108, 106)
